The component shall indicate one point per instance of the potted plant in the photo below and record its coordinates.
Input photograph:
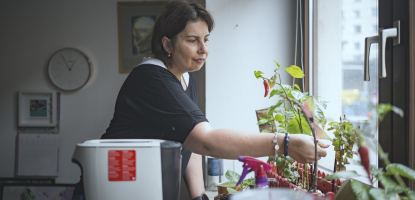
(391, 178)
(297, 112)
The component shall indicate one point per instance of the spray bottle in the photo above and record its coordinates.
(258, 166)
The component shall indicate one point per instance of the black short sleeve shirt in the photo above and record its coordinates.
(152, 104)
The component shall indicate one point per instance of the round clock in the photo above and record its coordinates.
(69, 69)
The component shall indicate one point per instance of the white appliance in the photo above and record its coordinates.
(127, 169)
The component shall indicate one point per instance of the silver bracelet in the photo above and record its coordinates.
(276, 146)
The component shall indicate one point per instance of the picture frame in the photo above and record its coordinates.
(135, 25)
(37, 155)
(29, 190)
(269, 127)
(37, 109)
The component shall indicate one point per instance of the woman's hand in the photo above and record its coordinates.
(301, 148)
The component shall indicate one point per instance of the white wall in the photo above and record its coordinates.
(249, 34)
(31, 31)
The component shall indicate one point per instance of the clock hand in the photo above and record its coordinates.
(71, 63)
(65, 62)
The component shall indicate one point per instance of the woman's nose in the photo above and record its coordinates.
(203, 47)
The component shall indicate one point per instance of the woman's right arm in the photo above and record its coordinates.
(229, 144)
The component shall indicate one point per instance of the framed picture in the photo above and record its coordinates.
(268, 127)
(37, 109)
(135, 25)
(37, 191)
(37, 155)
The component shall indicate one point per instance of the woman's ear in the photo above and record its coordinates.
(167, 45)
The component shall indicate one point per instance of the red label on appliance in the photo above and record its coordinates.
(121, 165)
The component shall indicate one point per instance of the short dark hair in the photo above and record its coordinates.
(173, 20)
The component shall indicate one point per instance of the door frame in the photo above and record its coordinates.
(396, 133)
(412, 87)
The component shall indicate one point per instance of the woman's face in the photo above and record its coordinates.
(190, 47)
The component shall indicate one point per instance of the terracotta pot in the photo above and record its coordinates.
(222, 190)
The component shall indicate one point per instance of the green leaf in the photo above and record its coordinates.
(385, 108)
(394, 196)
(377, 194)
(263, 121)
(258, 74)
(411, 195)
(336, 143)
(232, 176)
(297, 87)
(306, 128)
(360, 190)
(289, 95)
(248, 182)
(402, 170)
(279, 103)
(275, 92)
(286, 87)
(294, 126)
(277, 65)
(297, 95)
(295, 71)
(272, 81)
(390, 185)
(279, 117)
(271, 110)
(343, 175)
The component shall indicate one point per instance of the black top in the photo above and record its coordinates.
(152, 104)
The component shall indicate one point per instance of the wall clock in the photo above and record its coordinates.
(69, 69)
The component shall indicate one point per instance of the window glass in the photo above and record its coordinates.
(339, 43)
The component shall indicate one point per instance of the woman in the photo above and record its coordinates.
(158, 100)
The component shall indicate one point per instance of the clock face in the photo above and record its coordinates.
(69, 69)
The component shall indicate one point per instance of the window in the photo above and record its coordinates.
(337, 64)
(357, 45)
(357, 13)
(374, 12)
(344, 43)
(358, 28)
